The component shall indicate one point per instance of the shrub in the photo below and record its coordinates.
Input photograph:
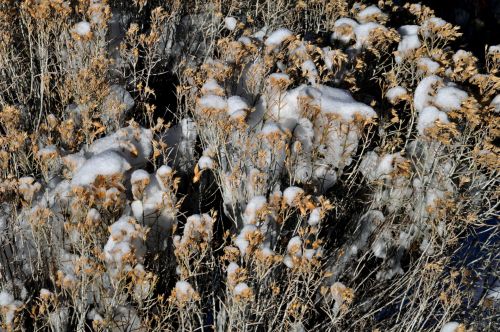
(319, 167)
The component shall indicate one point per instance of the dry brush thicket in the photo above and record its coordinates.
(239, 165)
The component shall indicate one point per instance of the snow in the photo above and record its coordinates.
(230, 23)
(241, 289)
(329, 100)
(428, 118)
(164, 171)
(423, 92)
(93, 216)
(45, 293)
(309, 70)
(292, 194)
(271, 128)
(309, 253)
(294, 246)
(363, 32)
(132, 143)
(288, 261)
(107, 163)
(126, 237)
(206, 163)
(395, 94)
(409, 40)
(9, 306)
(344, 29)
(260, 34)
(375, 167)
(212, 102)
(139, 176)
(366, 14)
(184, 291)
(245, 40)
(242, 239)
(451, 327)
(6, 298)
(494, 294)
(430, 24)
(82, 28)
(314, 217)
(427, 66)
(340, 102)
(74, 161)
(345, 21)
(379, 248)
(197, 228)
(49, 151)
(254, 206)
(232, 268)
(493, 49)
(460, 55)
(496, 103)
(449, 98)
(118, 97)
(276, 38)
(236, 106)
(407, 30)
(212, 87)
(267, 252)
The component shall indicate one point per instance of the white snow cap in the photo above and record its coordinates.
(310, 71)
(496, 103)
(394, 94)
(451, 327)
(184, 291)
(139, 175)
(314, 217)
(423, 92)
(212, 87)
(271, 128)
(370, 11)
(230, 23)
(126, 237)
(241, 289)
(428, 118)
(494, 49)
(409, 40)
(494, 293)
(133, 144)
(213, 102)
(276, 38)
(236, 106)
(429, 24)
(328, 100)
(232, 268)
(375, 167)
(449, 98)
(290, 195)
(254, 206)
(363, 32)
(9, 306)
(344, 29)
(294, 246)
(6, 298)
(82, 28)
(164, 170)
(294, 249)
(241, 241)
(107, 163)
(427, 66)
(206, 163)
